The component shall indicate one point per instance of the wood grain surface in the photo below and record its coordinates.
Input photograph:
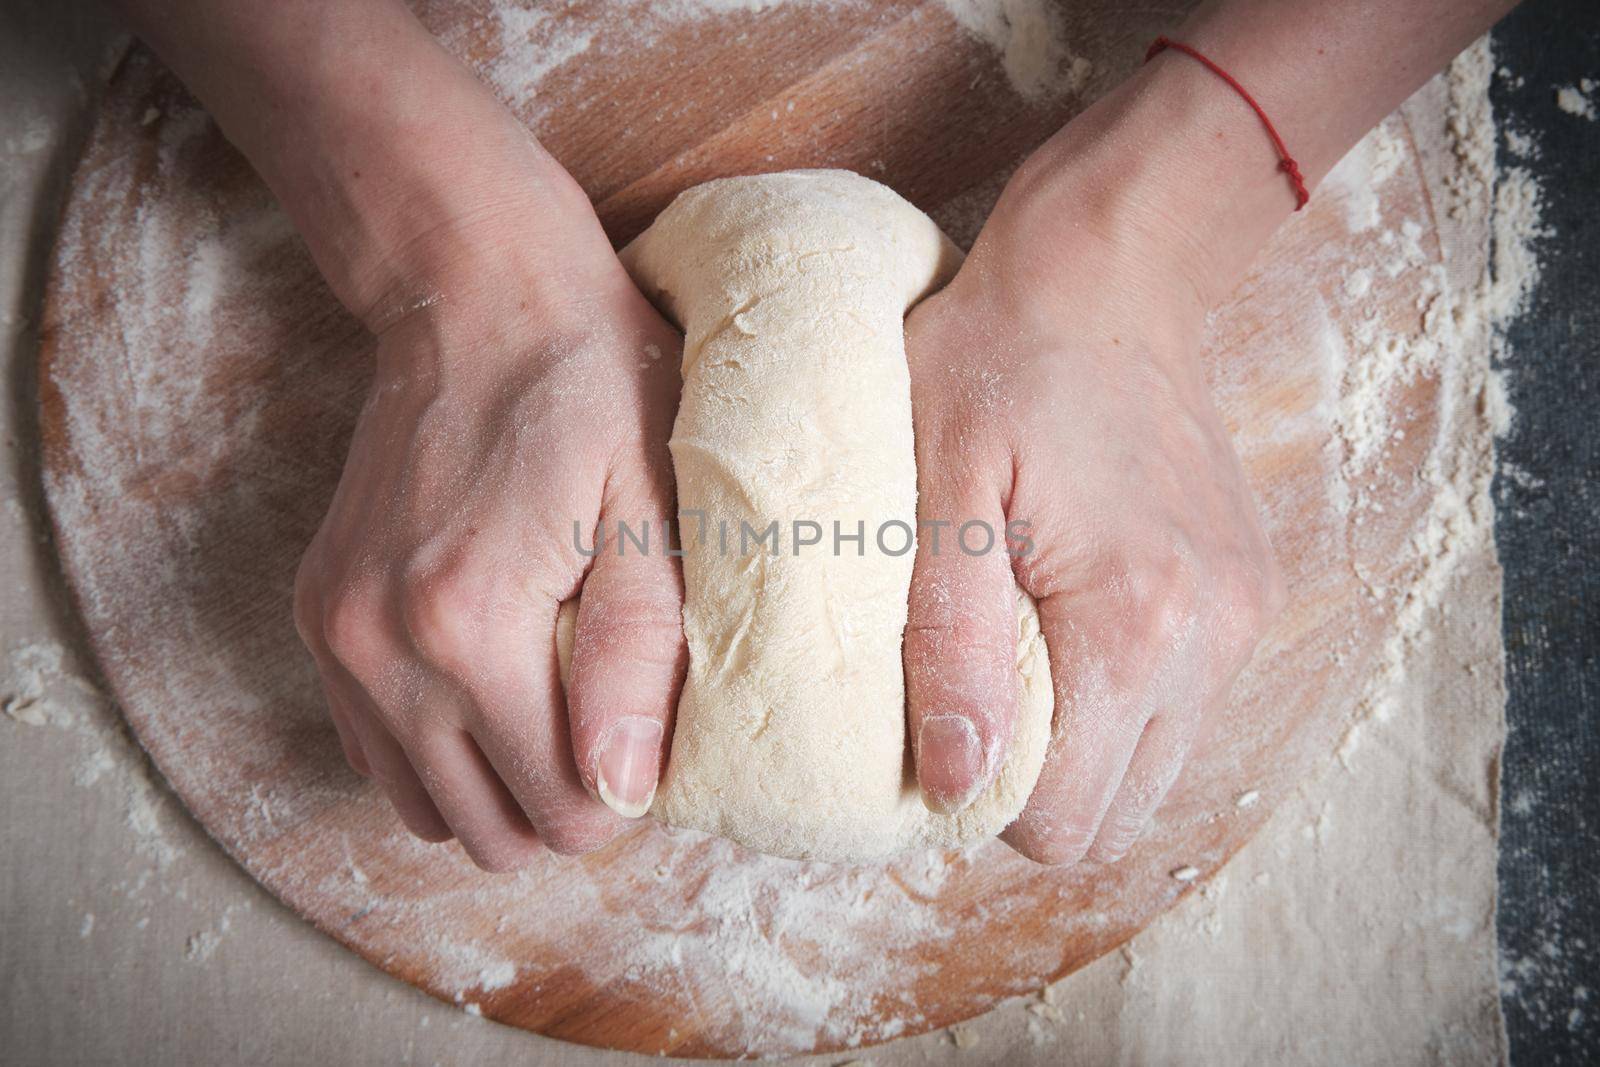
(199, 386)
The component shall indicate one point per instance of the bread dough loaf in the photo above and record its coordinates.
(792, 290)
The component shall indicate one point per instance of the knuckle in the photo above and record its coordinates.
(946, 621)
(1250, 595)
(639, 615)
(353, 629)
(441, 612)
(1156, 599)
(1170, 598)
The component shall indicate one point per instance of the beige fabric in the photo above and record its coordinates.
(1358, 929)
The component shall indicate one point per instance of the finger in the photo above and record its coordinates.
(1098, 726)
(336, 682)
(414, 707)
(520, 724)
(960, 645)
(1155, 766)
(341, 710)
(628, 657)
(1168, 740)
(343, 632)
(392, 769)
(479, 809)
(482, 626)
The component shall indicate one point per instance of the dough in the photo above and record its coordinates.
(791, 290)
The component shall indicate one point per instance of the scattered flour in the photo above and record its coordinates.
(1378, 360)
(38, 690)
(1520, 144)
(964, 1037)
(1027, 36)
(1359, 177)
(533, 42)
(203, 943)
(762, 922)
(1543, 986)
(1577, 99)
(36, 136)
(32, 691)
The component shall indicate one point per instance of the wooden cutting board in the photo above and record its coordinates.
(199, 386)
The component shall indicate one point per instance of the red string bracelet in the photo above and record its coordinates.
(1286, 162)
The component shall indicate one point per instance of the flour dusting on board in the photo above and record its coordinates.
(803, 953)
(1460, 519)
(1026, 35)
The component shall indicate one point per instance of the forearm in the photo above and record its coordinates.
(395, 164)
(1175, 156)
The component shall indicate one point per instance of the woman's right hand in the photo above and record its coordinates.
(523, 385)
(522, 400)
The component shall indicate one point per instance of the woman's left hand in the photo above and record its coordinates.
(1069, 402)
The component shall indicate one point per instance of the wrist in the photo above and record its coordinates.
(507, 316)
(1169, 177)
(407, 178)
(522, 237)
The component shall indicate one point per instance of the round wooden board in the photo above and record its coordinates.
(199, 385)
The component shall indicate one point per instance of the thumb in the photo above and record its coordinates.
(960, 647)
(628, 655)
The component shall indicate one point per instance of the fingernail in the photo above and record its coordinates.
(630, 760)
(949, 763)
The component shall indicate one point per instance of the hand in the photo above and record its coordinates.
(525, 397)
(1058, 385)
(522, 385)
